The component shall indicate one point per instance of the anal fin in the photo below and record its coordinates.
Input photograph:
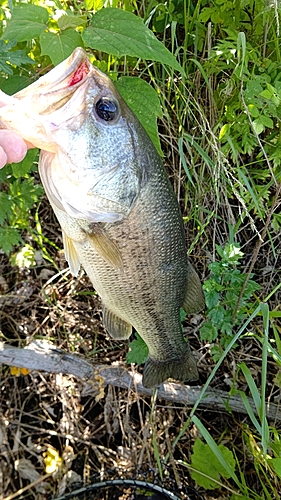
(70, 254)
(194, 300)
(116, 327)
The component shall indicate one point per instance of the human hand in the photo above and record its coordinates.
(12, 147)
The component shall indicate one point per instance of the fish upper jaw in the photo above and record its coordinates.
(65, 77)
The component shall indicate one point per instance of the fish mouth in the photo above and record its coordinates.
(56, 99)
(69, 73)
(56, 88)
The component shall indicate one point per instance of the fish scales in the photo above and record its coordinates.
(150, 268)
(118, 212)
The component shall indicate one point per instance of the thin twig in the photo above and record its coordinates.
(27, 487)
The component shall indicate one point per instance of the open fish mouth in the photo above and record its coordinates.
(49, 102)
(69, 73)
(56, 88)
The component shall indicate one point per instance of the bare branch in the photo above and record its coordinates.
(42, 356)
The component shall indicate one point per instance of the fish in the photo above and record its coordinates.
(118, 212)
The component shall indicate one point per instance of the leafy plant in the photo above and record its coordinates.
(204, 460)
(138, 351)
(17, 197)
(121, 33)
(10, 57)
(222, 292)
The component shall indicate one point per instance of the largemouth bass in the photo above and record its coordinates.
(116, 207)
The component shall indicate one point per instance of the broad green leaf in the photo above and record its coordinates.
(24, 194)
(205, 14)
(22, 30)
(271, 89)
(266, 94)
(208, 331)
(65, 21)
(94, 4)
(216, 352)
(266, 121)
(59, 46)
(253, 110)
(23, 167)
(204, 460)
(4, 67)
(138, 351)
(9, 236)
(275, 463)
(253, 89)
(27, 22)
(212, 298)
(217, 315)
(258, 126)
(121, 33)
(9, 57)
(16, 58)
(29, 12)
(216, 17)
(5, 206)
(14, 84)
(136, 92)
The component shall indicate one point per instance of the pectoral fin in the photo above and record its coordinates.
(194, 300)
(104, 245)
(71, 254)
(116, 327)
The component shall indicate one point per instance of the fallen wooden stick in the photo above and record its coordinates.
(43, 356)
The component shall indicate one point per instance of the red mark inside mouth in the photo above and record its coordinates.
(79, 74)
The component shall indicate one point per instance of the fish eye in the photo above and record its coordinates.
(106, 109)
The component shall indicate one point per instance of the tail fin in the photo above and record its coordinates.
(183, 369)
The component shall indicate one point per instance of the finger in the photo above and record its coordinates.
(13, 145)
(29, 145)
(3, 158)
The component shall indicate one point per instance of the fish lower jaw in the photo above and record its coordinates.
(183, 369)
